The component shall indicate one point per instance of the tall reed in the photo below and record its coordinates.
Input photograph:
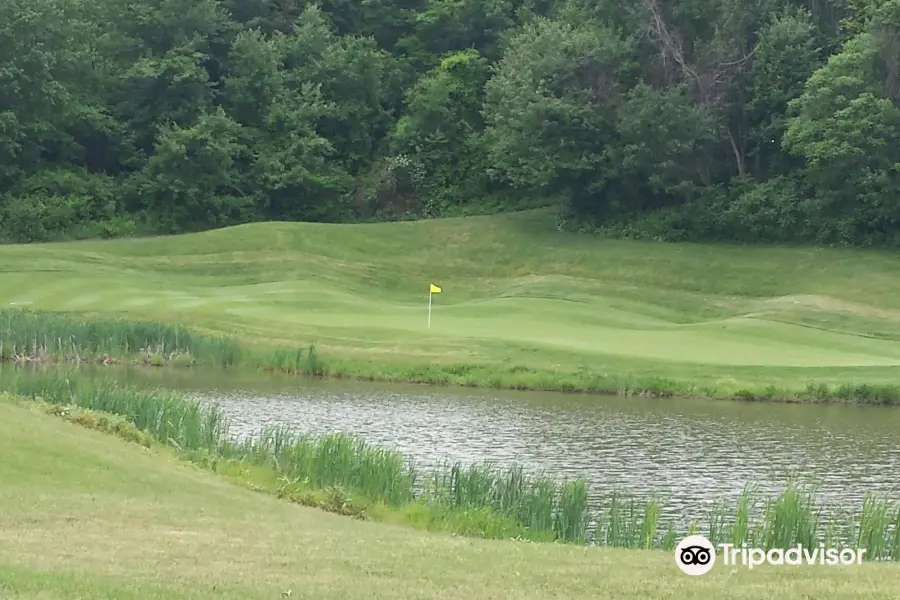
(628, 523)
(539, 503)
(166, 415)
(40, 335)
(331, 460)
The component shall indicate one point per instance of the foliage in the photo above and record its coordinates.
(765, 120)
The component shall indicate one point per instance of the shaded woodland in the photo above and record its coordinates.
(748, 121)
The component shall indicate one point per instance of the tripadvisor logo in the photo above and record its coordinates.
(696, 555)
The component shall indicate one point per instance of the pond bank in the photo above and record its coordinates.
(689, 450)
(61, 512)
(53, 338)
(344, 474)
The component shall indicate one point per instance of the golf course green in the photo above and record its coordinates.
(522, 304)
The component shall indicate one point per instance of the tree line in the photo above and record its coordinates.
(742, 120)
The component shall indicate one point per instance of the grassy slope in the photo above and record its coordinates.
(86, 516)
(516, 292)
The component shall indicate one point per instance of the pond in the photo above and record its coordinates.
(688, 453)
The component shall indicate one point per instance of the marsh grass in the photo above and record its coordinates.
(879, 528)
(333, 460)
(625, 522)
(347, 475)
(50, 337)
(537, 502)
(794, 518)
(167, 416)
(38, 336)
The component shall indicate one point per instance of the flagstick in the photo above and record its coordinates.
(429, 308)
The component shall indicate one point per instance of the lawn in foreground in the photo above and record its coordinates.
(84, 515)
(516, 292)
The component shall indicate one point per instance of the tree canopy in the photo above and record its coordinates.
(742, 120)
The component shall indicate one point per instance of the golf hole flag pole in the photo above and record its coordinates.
(432, 289)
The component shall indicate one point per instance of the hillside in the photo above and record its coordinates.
(85, 515)
(516, 292)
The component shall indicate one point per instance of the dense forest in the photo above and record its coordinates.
(743, 120)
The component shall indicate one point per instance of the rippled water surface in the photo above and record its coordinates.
(688, 452)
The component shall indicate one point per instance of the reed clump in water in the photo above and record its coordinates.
(41, 337)
(538, 503)
(347, 475)
(167, 416)
(334, 460)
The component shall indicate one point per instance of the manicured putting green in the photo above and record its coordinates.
(514, 291)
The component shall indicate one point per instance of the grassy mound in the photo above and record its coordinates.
(523, 305)
(85, 515)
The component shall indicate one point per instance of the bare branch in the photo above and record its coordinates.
(708, 81)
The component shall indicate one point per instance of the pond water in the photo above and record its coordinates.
(688, 453)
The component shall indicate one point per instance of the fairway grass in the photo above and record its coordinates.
(84, 515)
(522, 305)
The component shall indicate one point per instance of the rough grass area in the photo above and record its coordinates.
(522, 305)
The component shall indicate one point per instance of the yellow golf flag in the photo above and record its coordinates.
(434, 289)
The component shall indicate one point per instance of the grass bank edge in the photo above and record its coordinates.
(265, 479)
(345, 475)
(42, 337)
